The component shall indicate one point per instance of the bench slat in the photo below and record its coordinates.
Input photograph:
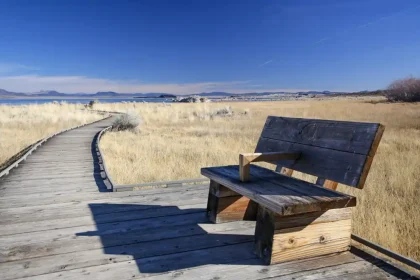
(281, 194)
(351, 137)
(333, 150)
(335, 165)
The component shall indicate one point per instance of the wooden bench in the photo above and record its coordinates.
(294, 218)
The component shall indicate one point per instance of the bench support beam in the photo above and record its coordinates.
(285, 238)
(225, 205)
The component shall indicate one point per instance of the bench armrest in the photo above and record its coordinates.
(246, 159)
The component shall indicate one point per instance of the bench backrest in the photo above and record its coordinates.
(339, 151)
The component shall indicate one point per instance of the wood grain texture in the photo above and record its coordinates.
(351, 137)
(311, 240)
(246, 159)
(279, 239)
(340, 266)
(232, 208)
(225, 205)
(282, 194)
(369, 159)
(333, 215)
(220, 190)
(342, 167)
(334, 150)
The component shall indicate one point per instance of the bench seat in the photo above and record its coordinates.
(281, 194)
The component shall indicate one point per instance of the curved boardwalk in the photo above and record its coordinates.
(58, 222)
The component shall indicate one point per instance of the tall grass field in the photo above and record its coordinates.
(23, 125)
(176, 140)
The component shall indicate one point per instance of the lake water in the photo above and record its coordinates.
(81, 100)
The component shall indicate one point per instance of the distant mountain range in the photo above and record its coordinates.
(53, 93)
(111, 94)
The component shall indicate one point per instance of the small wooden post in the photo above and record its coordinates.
(244, 168)
(225, 205)
(284, 238)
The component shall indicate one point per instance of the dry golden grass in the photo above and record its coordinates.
(20, 126)
(177, 140)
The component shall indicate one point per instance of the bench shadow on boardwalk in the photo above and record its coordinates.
(164, 230)
(166, 238)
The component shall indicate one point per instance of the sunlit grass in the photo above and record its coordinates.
(21, 126)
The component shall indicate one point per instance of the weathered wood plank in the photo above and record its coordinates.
(369, 159)
(50, 184)
(61, 263)
(33, 175)
(67, 207)
(281, 194)
(228, 262)
(70, 211)
(311, 240)
(67, 240)
(245, 161)
(65, 178)
(39, 160)
(225, 205)
(351, 137)
(63, 191)
(297, 185)
(231, 208)
(351, 271)
(51, 199)
(254, 269)
(333, 150)
(220, 190)
(285, 238)
(333, 215)
(51, 168)
(145, 267)
(342, 167)
(160, 184)
(118, 214)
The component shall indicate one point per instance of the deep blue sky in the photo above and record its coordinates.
(197, 45)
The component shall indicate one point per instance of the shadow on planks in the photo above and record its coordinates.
(162, 239)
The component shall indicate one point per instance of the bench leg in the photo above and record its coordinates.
(285, 238)
(225, 205)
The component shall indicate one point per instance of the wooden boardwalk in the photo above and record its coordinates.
(59, 222)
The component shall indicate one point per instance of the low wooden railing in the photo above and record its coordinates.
(392, 255)
(105, 175)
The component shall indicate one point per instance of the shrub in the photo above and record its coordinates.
(405, 90)
(227, 111)
(210, 115)
(91, 104)
(128, 121)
